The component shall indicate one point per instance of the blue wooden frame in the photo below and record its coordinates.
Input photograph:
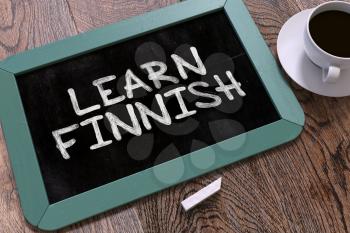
(29, 182)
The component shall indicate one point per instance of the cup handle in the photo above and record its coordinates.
(331, 74)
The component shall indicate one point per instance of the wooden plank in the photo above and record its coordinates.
(29, 24)
(90, 14)
(124, 219)
(271, 15)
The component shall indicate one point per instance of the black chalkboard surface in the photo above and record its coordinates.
(48, 106)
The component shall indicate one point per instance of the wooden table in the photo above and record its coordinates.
(303, 186)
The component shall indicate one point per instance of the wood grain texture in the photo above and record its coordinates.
(90, 14)
(29, 24)
(303, 186)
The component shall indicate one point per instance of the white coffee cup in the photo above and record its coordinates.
(331, 65)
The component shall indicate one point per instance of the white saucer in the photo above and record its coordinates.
(290, 49)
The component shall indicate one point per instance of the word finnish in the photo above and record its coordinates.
(156, 73)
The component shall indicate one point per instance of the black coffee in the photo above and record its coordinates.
(331, 32)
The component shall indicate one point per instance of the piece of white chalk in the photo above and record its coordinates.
(201, 195)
